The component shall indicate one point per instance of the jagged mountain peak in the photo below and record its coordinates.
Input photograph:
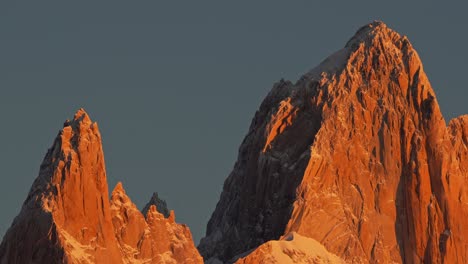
(80, 117)
(353, 163)
(118, 188)
(68, 201)
(374, 46)
(351, 155)
(160, 205)
(119, 198)
(376, 31)
(69, 218)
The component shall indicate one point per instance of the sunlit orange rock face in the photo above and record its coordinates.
(68, 217)
(357, 156)
(130, 227)
(171, 241)
(155, 239)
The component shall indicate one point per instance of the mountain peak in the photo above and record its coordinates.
(379, 31)
(150, 239)
(160, 204)
(118, 188)
(374, 28)
(372, 47)
(71, 195)
(68, 217)
(81, 116)
(351, 155)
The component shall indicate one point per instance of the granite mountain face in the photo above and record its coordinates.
(353, 163)
(355, 155)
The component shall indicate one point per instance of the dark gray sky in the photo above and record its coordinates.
(174, 86)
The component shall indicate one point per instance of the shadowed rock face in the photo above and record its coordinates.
(355, 155)
(68, 218)
(160, 204)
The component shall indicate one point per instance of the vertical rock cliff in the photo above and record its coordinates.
(66, 216)
(355, 155)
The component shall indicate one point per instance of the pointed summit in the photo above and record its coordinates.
(156, 239)
(374, 30)
(130, 227)
(170, 239)
(161, 205)
(68, 218)
(118, 188)
(68, 201)
(373, 46)
(81, 116)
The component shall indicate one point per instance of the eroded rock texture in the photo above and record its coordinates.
(355, 155)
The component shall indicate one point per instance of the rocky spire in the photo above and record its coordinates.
(68, 218)
(154, 239)
(160, 204)
(68, 204)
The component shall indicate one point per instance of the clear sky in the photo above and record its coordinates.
(174, 86)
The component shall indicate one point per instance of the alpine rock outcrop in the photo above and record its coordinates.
(69, 218)
(160, 204)
(355, 155)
